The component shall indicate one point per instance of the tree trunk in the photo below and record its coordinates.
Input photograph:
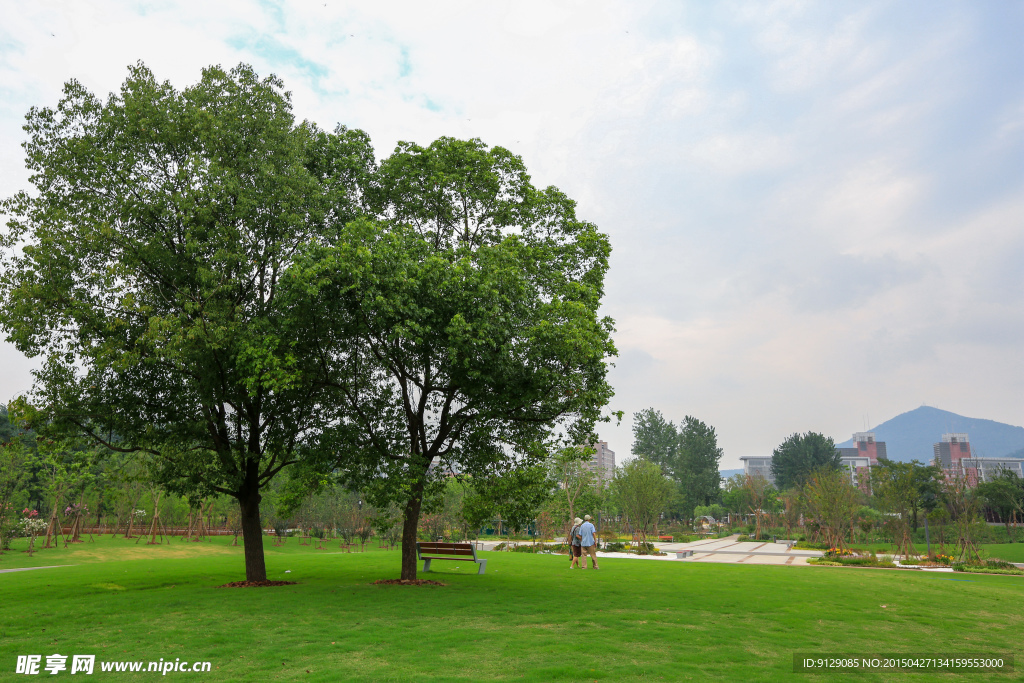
(252, 536)
(410, 523)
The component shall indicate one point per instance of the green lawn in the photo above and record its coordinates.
(528, 618)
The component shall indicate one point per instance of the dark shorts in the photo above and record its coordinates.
(576, 551)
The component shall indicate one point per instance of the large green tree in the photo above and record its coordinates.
(464, 319)
(1004, 494)
(896, 489)
(155, 245)
(689, 455)
(800, 455)
(642, 491)
(578, 487)
(700, 454)
(656, 439)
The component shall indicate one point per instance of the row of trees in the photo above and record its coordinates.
(688, 455)
(111, 492)
(894, 497)
(230, 295)
(811, 488)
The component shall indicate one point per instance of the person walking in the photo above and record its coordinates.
(574, 543)
(588, 543)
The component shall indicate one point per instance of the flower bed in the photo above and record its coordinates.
(849, 560)
(990, 566)
(974, 569)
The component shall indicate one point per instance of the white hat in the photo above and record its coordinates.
(587, 517)
(577, 521)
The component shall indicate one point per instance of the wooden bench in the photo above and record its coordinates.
(448, 551)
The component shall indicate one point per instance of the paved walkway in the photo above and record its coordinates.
(28, 569)
(728, 550)
(718, 550)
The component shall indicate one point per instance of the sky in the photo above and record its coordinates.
(816, 209)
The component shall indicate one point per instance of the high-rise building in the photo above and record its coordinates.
(602, 462)
(758, 465)
(859, 459)
(953, 454)
(951, 450)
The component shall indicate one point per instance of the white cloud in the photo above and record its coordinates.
(815, 208)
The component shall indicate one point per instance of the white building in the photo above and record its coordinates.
(754, 465)
(602, 463)
(981, 470)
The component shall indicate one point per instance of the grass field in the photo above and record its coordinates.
(528, 618)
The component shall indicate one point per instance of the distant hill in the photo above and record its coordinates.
(910, 436)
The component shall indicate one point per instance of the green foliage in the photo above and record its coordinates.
(800, 455)
(656, 439)
(831, 500)
(7, 430)
(642, 492)
(715, 511)
(516, 604)
(901, 488)
(14, 460)
(975, 569)
(463, 324)
(701, 455)
(689, 455)
(733, 495)
(577, 490)
(514, 496)
(1005, 495)
(156, 240)
(833, 561)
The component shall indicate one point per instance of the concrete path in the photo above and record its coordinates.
(728, 550)
(28, 569)
(717, 550)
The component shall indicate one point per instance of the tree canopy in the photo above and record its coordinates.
(1004, 494)
(231, 293)
(156, 242)
(688, 454)
(641, 490)
(800, 455)
(460, 324)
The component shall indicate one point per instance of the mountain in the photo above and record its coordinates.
(910, 436)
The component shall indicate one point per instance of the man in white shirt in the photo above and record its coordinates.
(587, 541)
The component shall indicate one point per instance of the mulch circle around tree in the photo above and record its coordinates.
(408, 582)
(256, 584)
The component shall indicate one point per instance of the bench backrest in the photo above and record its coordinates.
(451, 549)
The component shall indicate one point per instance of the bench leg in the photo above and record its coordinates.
(483, 566)
(426, 565)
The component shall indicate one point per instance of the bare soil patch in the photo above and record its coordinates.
(408, 582)
(256, 584)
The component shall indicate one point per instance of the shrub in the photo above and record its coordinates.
(981, 569)
(809, 545)
(821, 561)
(996, 563)
(539, 548)
(847, 561)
